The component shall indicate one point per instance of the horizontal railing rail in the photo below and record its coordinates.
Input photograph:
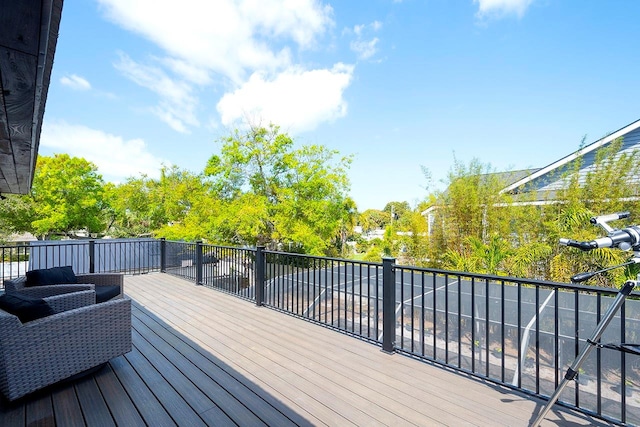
(130, 256)
(519, 333)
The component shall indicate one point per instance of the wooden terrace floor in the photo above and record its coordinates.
(202, 357)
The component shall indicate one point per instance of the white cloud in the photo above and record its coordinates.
(247, 47)
(75, 82)
(177, 103)
(296, 99)
(365, 48)
(500, 8)
(188, 71)
(229, 37)
(116, 158)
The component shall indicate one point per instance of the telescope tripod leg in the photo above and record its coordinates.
(591, 343)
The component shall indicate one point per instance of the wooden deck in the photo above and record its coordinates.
(202, 357)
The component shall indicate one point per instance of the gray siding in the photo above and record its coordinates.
(553, 181)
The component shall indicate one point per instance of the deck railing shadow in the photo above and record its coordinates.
(234, 395)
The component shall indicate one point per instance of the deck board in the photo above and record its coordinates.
(340, 379)
(168, 397)
(233, 327)
(201, 371)
(141, 396)
(202, 357)
(66, 407)
(199, 384)
(93, 405)
(39, 412)
(122, 410)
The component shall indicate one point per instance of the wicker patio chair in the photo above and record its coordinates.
(19, 284)
(79, 336)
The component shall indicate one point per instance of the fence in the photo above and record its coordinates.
(522, 334)
(129, 256)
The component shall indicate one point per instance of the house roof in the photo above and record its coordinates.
(548, 178)
(28, 37)
(544, 182)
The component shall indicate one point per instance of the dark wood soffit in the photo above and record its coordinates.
(28, 38)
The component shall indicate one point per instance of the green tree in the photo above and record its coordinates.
(480, 257)
(67, 196)
(471, 209)
(272, 192)
(130, 213)
(373, 219)
(477, 228)
(164, 207)
(16, 214)
(346, 227)
(414, 239)
(608, 185)
(397, 211)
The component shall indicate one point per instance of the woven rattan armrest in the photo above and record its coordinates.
(98, 279)
(53, 290)
(15, 284)
(71, 301)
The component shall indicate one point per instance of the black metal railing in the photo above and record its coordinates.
(522, 334)
(223, 268)
(179, 259)
(339, 293)
(130, 256)
(229, 269)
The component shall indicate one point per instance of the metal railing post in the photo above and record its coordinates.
(199, 263)
(260, 275)
(92, 256)
(163, 255)
(388, 305)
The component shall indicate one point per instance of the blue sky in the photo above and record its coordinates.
(398, 84)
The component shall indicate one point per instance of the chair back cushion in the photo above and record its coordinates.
(51, 276)
(26, 308)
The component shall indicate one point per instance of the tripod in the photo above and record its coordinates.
(625, 239)
(591, 344)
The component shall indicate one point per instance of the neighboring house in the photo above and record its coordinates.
(378, 233)
(22, 237)
(544, 182)
(547, 180)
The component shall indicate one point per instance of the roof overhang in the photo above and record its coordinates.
(28, 37)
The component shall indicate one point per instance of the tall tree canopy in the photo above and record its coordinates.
(163, 207)
(478, 228)
(67, 195)
(272, 192)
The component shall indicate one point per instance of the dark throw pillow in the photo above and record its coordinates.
(26, 308)
(105, 293)
(51, 276)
